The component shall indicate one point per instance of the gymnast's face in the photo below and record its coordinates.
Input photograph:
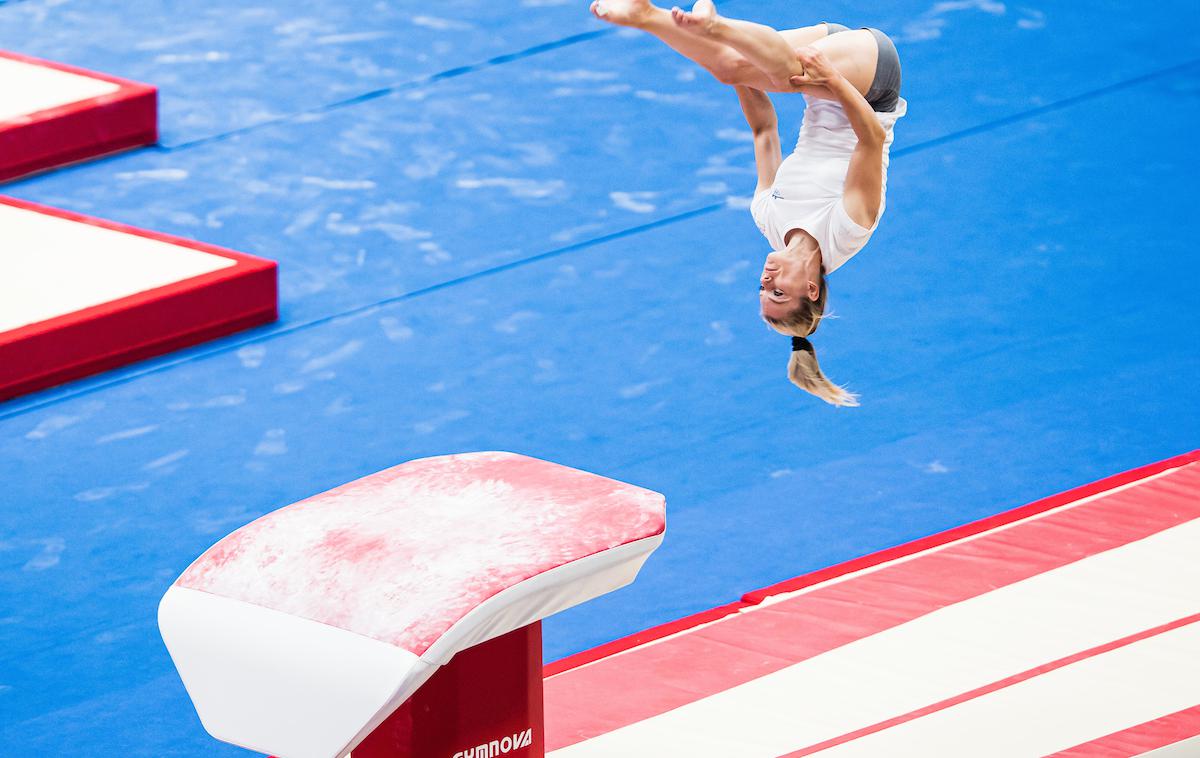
(785, 279)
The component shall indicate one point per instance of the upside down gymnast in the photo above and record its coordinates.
(818, 207)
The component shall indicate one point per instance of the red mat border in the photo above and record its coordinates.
(80, 130)
(145, 324)
(868, 561)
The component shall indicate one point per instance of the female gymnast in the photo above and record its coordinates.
(818, 207)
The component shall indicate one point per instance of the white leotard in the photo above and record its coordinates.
(807, 193)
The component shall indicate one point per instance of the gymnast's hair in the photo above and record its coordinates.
(803, 369)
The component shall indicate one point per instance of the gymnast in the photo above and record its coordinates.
(818, 207)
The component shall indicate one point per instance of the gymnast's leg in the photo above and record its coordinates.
(722, 61)
(854, 53)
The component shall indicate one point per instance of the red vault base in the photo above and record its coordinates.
(486, 702)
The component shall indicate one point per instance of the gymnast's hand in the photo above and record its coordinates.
(818, 71)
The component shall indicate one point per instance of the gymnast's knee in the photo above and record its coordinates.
(732, 70)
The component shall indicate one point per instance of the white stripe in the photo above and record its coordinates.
(27, 88)
(937, 656)
(1078, 703)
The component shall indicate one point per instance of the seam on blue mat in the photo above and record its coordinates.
(374, 94)
(1048, 108)
(421, 81)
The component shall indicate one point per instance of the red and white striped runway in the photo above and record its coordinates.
(1068, 627)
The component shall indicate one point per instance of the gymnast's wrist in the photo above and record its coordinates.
(840, 86)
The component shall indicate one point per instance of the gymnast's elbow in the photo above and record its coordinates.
(767, 129)
(874, 135)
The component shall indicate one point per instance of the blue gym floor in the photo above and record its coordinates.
(508, 226)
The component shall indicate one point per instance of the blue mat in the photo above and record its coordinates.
(1023, 322)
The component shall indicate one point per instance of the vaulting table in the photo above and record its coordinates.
(399, 614)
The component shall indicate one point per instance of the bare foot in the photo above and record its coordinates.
(622, 12)
(699, 20)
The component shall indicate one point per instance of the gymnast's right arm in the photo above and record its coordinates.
(863, 193)
(760, 115)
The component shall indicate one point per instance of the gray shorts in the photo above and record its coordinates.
(885, 87)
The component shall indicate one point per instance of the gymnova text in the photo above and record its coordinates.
(498, 747)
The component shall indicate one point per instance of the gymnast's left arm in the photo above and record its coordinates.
(760, 116)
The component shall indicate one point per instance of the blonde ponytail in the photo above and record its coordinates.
(805, 373)
(803, 369)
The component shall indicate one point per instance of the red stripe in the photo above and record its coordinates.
(657, 678)
(640, 638)
(994, 686)
(1140, 739)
